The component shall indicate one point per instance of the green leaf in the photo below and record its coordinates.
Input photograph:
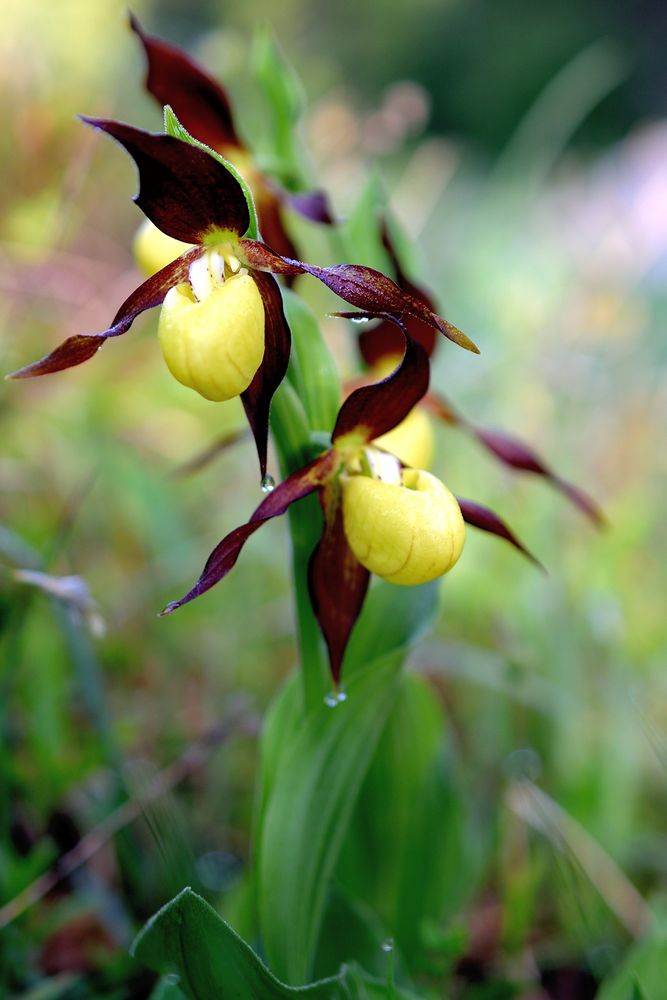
(313, 770)
(284, 95)
(201, 957)
(173, 127)
(361, 231)
(315, 369)
(189, 940)
(642, 974)
(409, 805)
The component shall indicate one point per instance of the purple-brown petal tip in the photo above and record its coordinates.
(373, 410)
(487, 520)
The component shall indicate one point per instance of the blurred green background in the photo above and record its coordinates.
(523, 150)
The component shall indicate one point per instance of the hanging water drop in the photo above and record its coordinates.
(341, 696)
(267, 484)
(387, 945)
(172, 978)
(359, 319)
(331, 699)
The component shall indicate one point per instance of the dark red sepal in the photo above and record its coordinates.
(81, 347)
(483, 518)
(518, 455)
(368, 289)
(337, 581)
(224, 555)
(200, 103)
(373, 410)
(184, 190)
(277, 343)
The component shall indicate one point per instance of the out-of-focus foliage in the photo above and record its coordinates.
(556, 264)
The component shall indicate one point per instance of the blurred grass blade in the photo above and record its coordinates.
(557, 113)
(642, 974)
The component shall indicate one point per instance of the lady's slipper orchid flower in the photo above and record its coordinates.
(205, 110)
(401, 524)
(222, 328)
(379, 345)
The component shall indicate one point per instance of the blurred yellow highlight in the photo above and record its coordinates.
(412, 441)
(407, 533)
(153, 249)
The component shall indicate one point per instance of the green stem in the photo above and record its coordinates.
(306, 528)
(291, 433)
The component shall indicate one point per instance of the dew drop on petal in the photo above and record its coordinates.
(267, 484)
(359, 319)
(387, 945)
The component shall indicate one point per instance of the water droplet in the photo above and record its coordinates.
(172, 978)
(341, 696)
(387, 945)
(331, 699)
(267, 484)
(360, 319)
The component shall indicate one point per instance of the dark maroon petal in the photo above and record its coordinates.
(313, 205)
(375, 409)
(518, 455)
(182, 189)
(277, 343)
(80, 348)
(370, 290)
(337, 581)
(375, 343)
(225, 554)
(485, 519)
(200, 103)
(379, 342)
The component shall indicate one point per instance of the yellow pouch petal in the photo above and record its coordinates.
(214, 346)
(407, 534)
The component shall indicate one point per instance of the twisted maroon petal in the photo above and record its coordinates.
(372, 410)
(277, 343)
(81, 347)
(182, 189)
(520, 456)
(336, 580)
(225, 554)
(200, 103)
(364, 287)
(378, 342)
(485, 519)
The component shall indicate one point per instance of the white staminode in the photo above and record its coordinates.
(383, 466)
(206, 272)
